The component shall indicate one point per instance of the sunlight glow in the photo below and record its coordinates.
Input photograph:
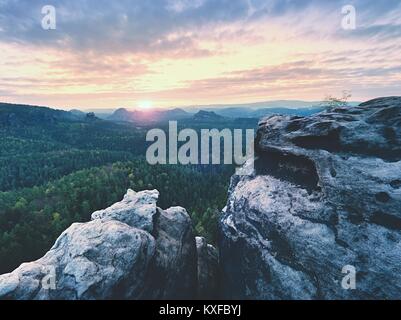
(145, 105)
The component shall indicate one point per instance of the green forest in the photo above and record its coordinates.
(56, 170)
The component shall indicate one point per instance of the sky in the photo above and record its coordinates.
(125, 53)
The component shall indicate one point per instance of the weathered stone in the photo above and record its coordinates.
(173, 275)
(136, 210)
(132, 250)
(324, 194)
(208, 259)
(95, 260)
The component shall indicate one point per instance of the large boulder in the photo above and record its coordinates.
(324, 200)
(132, 250)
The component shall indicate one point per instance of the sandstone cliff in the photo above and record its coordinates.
(325, 194)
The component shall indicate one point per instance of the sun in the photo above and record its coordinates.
(145, 105)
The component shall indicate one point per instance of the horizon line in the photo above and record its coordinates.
(188, 106)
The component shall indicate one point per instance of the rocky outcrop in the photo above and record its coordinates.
(324, 198)
(173, 275)
(132, 250)
(208, 268)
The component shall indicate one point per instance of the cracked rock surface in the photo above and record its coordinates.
(132, 250)
(325, 193)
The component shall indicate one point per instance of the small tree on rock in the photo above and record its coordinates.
(332, 102)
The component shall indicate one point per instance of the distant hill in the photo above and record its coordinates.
(303, 112)
(237, 112)
(121, 114)
(100, 112)
(16, 114)
(207, 116)
(218, 114)
(143, 117)
(78, 113)
(261, 109)
(286, 104)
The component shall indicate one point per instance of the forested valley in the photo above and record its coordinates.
(56, 170)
